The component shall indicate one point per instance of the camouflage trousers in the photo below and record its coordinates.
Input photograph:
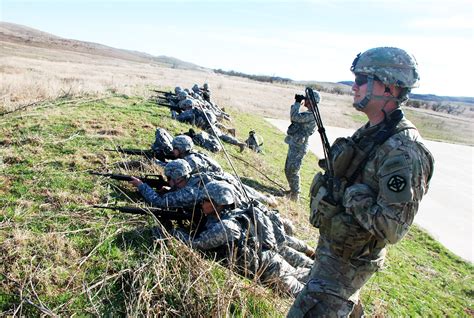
(225, 138)
(333, 288)
(294, 257)
(278, 274)
(294, 159)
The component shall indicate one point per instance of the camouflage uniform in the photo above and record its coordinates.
(205, 140)
(254, 142)
(162, 141)
(387, 169)
(188, 196)
(206, 92)
(232, 230)
(289, 247)
(302, 126)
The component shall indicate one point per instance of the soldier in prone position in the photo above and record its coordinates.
(230, 233)
(380, 176)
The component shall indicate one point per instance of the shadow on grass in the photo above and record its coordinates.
(263, 187)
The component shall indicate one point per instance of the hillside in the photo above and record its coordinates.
(22, 35)
(60, 256)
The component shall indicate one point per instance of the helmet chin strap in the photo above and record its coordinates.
(368, 95)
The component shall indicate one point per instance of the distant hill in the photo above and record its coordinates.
(431, 97)
(19, 34)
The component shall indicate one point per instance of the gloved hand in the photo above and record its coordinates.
(299, 98)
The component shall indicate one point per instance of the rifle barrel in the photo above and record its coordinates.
(177, 214)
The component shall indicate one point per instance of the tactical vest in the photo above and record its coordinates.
(346, 237)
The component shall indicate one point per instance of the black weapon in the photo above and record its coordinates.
(172, 214)
(154, 181)
(332, 183)
(165, 216)
(163, 92)
(322, 131)
(149, 153)
(172, 107)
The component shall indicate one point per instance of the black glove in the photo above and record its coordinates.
(299, 98)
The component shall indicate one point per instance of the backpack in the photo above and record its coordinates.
(163, 141)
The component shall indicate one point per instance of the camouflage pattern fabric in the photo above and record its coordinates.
(378, 210)
(254, 143)
(302, 126)
(293, 162)
(207, 141)
(294, 257)
(390, 65)
(200, 162)
(217, 232)
(189, 196)
(277, 273)
(163, 140)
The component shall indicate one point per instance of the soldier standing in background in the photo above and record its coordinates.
(380, 176)
(302, 126)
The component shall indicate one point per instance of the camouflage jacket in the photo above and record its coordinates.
(217, 233)
(302, 126)
(189, 196)
(382, 203)
(201, 162)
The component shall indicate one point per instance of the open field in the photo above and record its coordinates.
(59, 256)
(38, 73)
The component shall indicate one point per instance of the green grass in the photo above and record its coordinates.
(62, 255)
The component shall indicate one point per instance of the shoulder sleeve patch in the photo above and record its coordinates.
(395, 180)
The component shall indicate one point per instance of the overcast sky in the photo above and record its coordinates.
(302, 40)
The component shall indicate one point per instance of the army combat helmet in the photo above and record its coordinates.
(389, 65)
(182, 143)
(219, 192)
(178, 168)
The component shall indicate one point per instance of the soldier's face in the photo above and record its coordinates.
(207, 207)
(176, 153)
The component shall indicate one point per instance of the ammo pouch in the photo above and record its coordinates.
(347, 238)
(319, 208)
(341, 154)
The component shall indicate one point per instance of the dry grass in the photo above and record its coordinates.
(31, 74)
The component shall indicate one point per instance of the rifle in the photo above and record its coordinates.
(195, 217)
(311, 98)
(174, 214)
(172, 107)
(154, 181)
(163, 92)
(149, 153)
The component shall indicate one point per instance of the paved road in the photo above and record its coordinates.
(446, 212)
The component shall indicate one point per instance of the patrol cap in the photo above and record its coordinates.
(177, 169)
(219, 192)
(183, 143)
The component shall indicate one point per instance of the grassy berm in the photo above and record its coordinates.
(59, 256)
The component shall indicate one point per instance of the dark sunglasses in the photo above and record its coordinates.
(362, 79)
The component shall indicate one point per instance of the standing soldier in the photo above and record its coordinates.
(302, 126)
(380, 176)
